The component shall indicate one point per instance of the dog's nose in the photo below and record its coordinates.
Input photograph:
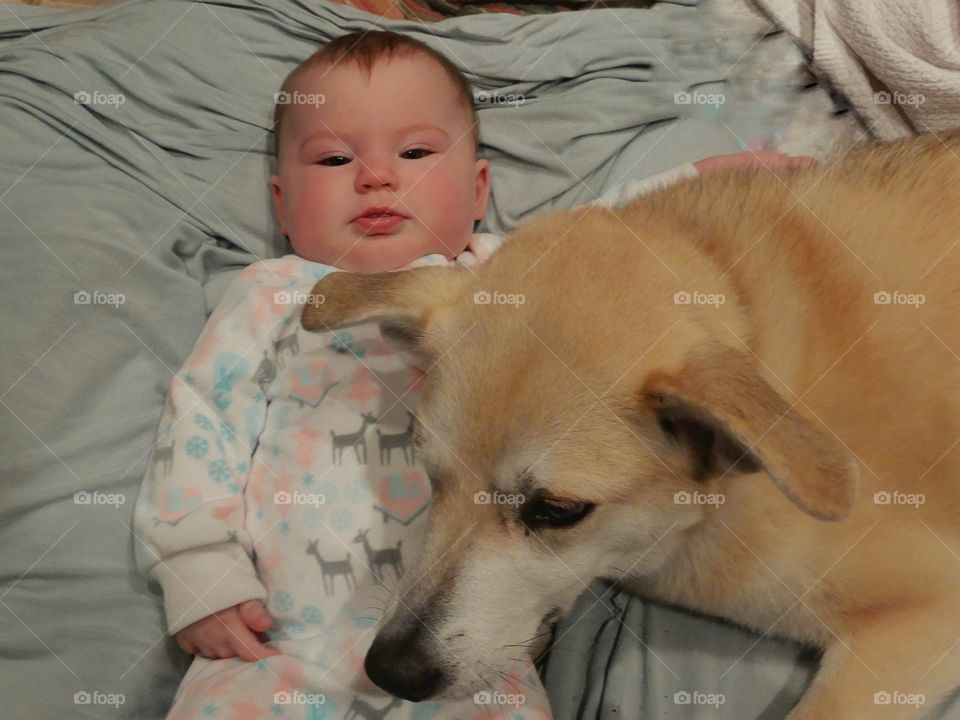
(400, 665)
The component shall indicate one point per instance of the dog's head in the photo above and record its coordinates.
(573, 399)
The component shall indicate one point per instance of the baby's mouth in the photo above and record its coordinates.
(379, 221)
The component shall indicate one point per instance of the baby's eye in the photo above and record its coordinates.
(415, 153)
(334, 161)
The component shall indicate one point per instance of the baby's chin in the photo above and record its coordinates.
(380, 253)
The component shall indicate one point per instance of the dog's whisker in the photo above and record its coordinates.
(511, 679)
(558, 649)
(487, 665)
(528, 642)
(548, 649)
(379, 584)
(485, 681)
(385, 601)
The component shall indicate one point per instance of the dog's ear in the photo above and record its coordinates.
(729, 420)
(403, 302)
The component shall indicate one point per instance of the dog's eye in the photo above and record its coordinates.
(554, 512)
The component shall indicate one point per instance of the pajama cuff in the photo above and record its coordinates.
(199, 582)
(622, 193)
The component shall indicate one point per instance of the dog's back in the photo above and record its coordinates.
(891, 209)
(850, 274)
(851, 267)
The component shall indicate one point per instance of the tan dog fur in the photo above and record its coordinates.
(815, 397)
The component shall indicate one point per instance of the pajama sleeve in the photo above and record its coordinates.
(623, 193)
(189, 516)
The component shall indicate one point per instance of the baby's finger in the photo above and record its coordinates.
(207, 650)
(249, 648)
(185, 645)
(224, 649)
(255, 616)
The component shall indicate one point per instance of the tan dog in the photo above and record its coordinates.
(740, 395)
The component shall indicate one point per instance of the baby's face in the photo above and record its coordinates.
(383, 172)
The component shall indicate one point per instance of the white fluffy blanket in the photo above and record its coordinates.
(898, 61)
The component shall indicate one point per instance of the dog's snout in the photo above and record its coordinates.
(401, 665)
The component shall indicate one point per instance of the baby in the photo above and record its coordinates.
(283, 494)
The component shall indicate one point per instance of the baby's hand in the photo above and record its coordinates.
(229, 633)
(754, 160)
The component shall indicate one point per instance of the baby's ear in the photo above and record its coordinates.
(403, 302)
(277, 195)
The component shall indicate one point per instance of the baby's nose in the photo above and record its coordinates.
(376, 176)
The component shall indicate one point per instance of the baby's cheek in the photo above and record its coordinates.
(311, 233)
(314, 207)
(313, 203)
(452, 208)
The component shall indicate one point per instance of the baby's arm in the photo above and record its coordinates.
(622, 193)
(189, 517)
(754, 160)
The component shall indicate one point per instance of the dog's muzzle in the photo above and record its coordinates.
(401, 665)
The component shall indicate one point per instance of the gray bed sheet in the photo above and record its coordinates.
(134, 156)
